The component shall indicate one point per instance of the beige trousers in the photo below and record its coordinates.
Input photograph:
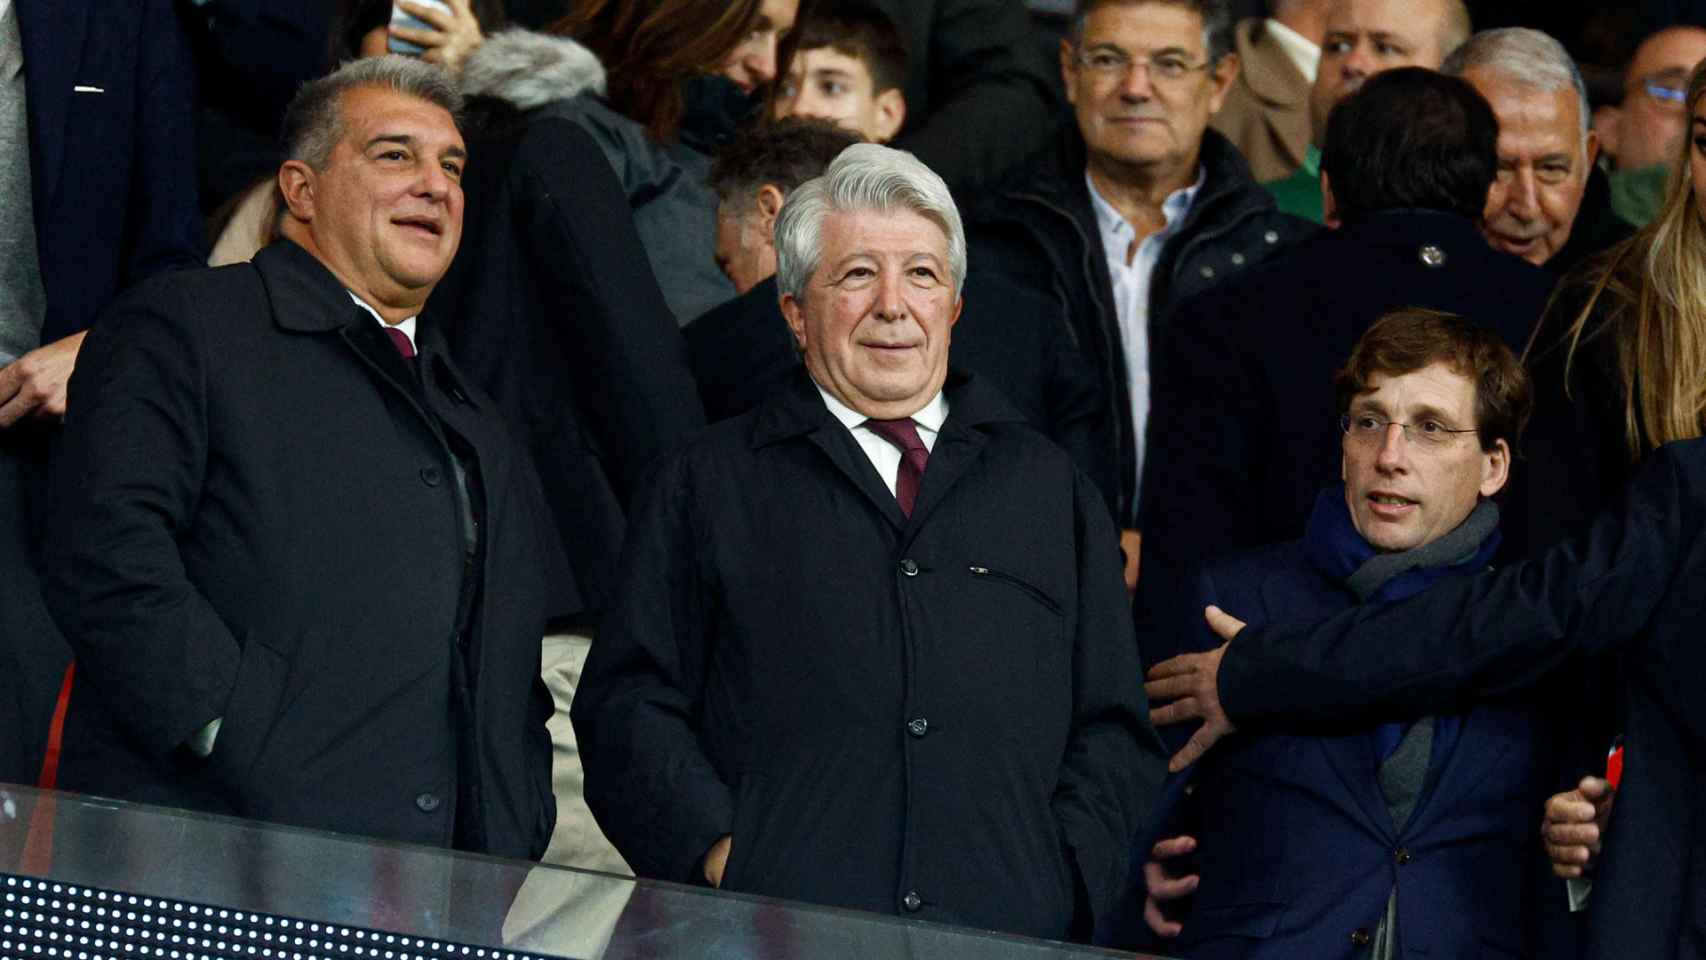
(577, 841)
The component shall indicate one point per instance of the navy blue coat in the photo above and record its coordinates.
(1631, 584)
(1296, 849)
(112, 150)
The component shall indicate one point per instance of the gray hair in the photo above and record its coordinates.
(1217, 22)
(314, 121)
(1525, 57)
(865, 176)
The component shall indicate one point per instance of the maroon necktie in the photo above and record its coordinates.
(400, 340)
(913, 456)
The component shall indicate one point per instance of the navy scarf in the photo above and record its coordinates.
(1338, 552)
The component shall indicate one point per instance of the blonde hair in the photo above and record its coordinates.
(1654, 289)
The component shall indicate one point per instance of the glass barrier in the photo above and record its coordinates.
(83, 878)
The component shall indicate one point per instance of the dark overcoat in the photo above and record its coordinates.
(552, 309)
(1632, 584)
(259, 517)
(937, 716)
(1243, 430)
(1297, 849)
(1040, 231)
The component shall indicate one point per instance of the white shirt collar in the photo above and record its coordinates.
(1303, 53)
(930, 417)
(1112, 223)
(407, 325)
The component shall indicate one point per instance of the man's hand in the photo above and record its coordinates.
(453, 36)
(34, 384)
(1192, 682)
(716, 859)
(1164, 887)
(1131, 543)
(1575, 825)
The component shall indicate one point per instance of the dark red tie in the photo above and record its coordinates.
(913, 456)
(400, 340)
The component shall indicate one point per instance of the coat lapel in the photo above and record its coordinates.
(797, 411)
(52, 32)
(957, 448)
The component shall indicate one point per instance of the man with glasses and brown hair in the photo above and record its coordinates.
(1415, 834)
(1135, 206)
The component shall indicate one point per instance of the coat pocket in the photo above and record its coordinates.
(249, 716)
(1247, 921)
(983, 574)
(749, 797)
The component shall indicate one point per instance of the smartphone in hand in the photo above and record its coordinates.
(402, 18)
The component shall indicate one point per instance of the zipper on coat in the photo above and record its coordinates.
(1007, 578)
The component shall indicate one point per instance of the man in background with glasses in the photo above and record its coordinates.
(1388, 839)
(1643, 134)
(1136, 206)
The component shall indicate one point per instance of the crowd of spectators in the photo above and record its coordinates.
(768, 444)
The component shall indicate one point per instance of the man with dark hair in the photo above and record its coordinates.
(1136, 206)
(297, 555)
(1289, 843)
(1364, 37)
(742, 351)
(1243, 436)
(849, 65)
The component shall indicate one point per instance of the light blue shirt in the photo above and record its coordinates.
(1131, 293)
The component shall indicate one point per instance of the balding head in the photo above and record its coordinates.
(1648, 127)
(1365, 37)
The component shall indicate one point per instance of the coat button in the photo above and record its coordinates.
(912, 901)
(426, 802)
(1402, 856)
(908, 567)
(1360, 937)
(918, 726)
(1271, 237)
(1208, 273)
(1431, 256)
(431, 476)
(1238, 259)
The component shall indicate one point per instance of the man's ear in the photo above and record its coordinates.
(1592, 151)
(890, 115)
(768, 202)
(796, 318)
(1608, 128)
(1069, 70)
(1329, 205)
(1496, 468)
(296, 183)
(1222, 75)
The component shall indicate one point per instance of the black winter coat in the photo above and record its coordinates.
(939, 717)
(261, 516)
(1041, 231)
(551, 308)
(1244, 424)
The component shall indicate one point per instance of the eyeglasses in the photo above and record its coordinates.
(1165, 67)
(1370, 430)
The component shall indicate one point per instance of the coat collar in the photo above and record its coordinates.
(308, 298)
(797, 410)
(528, 70)
(1266, 69)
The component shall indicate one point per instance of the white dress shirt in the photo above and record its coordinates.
(406, 325)
(1131, 292)
(884, 455)
(1303, 53)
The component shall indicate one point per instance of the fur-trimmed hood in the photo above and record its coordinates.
(530, 69)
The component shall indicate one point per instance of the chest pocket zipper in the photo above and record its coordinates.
(984, 573)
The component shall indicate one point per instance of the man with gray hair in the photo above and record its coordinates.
(297, 557)
(1550, 205)
(872, 649)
